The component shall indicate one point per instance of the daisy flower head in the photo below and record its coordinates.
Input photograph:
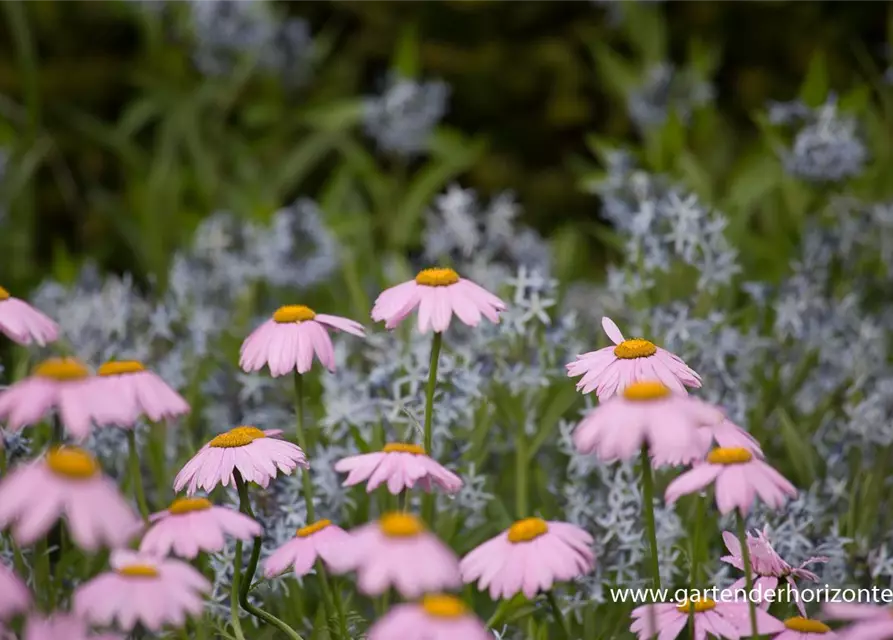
(438, 293)
(608, 371)
(63, 384)
(397, 551)
(14, 595)
(193, 525)
(126, 391)
(738, 478)
(142, 589)
(24, 324)
(286, 342)
(318, 540)
(436, 617)
(66, 482)
(799, 628)
(726, 433)
(727, 620)
(767, 566)
(62, 625)
(529, 557)
(257, 455)
(646, 412)
(869, 621)
(401, 466)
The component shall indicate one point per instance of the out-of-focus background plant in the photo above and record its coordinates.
(715, 176)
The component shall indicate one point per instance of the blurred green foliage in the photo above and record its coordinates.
(120, 147)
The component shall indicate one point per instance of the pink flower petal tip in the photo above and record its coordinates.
(436, 617)
(24, 324)
(529, 557)
(124, 391)
(438, 293)
(287, 342)
(315, 541)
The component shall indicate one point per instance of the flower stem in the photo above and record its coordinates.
(135, 475)
(648, 507)
(244, 587)
(748, 575)
(428, 498)
(556, 610)
(521, 474)
(695, 557)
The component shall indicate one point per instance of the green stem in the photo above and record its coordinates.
(306, 483)
(436, 343)
(748, 575)
(135, 475)
(499, 614)
(234, 593)
(556, 610)
(651, 529)
(245, 587)
(332, 599)
(521, 474)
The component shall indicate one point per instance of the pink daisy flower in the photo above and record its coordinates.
(142, 589)
(799, 628)
(529, 557)
(287, 342)
(738, 478)
(192, 525)
(646, 413)
(257, 455)
(437, 617)
(728, 434)
(301, 552)
(14, 595)
(438, 293)
(62, 625)
(66, 482)
(401, 466)
(608, 371)
(717, 619)
(397, 551)
(24, 324)
(870, 621)
(127, 391)
(63, 384)
(766, 565)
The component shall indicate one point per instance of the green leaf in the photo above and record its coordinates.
(300, 162)
(814, 90)
(646, 29)
(561, 398)
(335, 117)
(618, 75)
(406, 59)
(800, 454)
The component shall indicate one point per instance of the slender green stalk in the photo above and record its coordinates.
(499, 614)
(748, 575)
(556, 610)
(428, 498)
(245, 586)
(651, 529)
(135, 475)
(521, 474)
(307, 487)
(234, 593)
(333, 599)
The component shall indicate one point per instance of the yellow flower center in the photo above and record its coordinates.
(293, 313)
(310, 529)
(646, 391)
(138, 571)
(73, 463)
(119, 367)
(729, 455)
(237, 437)
(189, 505)
(443, 606)
(61, 369)
(806, 625)
(700, 606)
(527, 529)
(437, 277)
(400, 525)
(635, 348)
(4, 294)
(400, 447)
